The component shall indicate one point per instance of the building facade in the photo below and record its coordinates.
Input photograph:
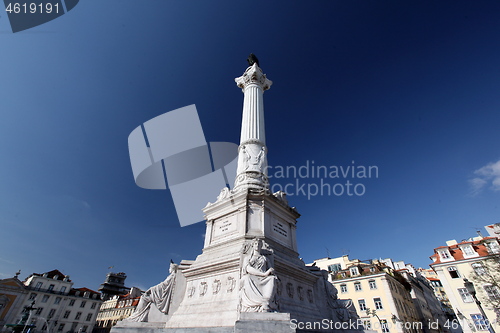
(477, 260)
(115, 309)
(439, 292)
(379, 293)
(58, 307)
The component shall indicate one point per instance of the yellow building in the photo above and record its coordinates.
(115, 309)
(380, 294)
(476, 260)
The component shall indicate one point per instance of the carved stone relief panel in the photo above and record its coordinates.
(191, 290)
(203, 288)
(289, 289)
(279, 287)
(300, 292)
(231, 284)
(310, 295)
(216, 286)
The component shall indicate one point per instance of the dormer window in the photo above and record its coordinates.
(492, 247)
(354, 271)
(445, 255)
(468, 251)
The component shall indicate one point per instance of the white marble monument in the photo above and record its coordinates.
(249, 277)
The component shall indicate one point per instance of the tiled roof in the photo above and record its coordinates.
(457, 253)
(52, 273)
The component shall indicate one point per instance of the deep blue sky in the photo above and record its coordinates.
(411, 87)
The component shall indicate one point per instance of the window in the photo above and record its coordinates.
(51, 287)
(492, 291)
(453, 272)
(479, 322)
(63, 289)
(354, 271)
(32, 296)
(466, 297)
(492, 247)
(362, 304)
(343, 288)
(373, 284)
(385, 327)
(38, 285)
(93, 305)
(372, 269)
(357, 286)
(72, 302)
(85, 328)
(78, 315)
(378, 303)
(478, 268)
(58, 300)
(444, 255)
(89, 316)
(66, 314)
(60, 328)
(82, 305)
(51, 313)
(334, 268)
(367, 325)
(468, 250)
(86, 294)
(45, 298)
(39, 311)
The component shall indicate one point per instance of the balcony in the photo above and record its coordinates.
(44, 290)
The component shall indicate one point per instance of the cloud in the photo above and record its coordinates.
(488, 174)
(6, 261)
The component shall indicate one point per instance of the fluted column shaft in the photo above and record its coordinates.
(252, 152)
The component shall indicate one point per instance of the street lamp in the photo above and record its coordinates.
(470, 288)
(395, 319)
(374, 314)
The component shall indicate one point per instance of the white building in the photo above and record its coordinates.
(58, 306)
(475, 259)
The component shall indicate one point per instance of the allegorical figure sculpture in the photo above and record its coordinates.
(258, 280)
(159, 295)
(343, 309)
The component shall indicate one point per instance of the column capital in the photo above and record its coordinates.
(253, 75)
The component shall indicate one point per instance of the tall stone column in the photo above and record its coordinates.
(252, 152)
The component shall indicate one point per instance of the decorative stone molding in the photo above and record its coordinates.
(281, 196)
(224, 193)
